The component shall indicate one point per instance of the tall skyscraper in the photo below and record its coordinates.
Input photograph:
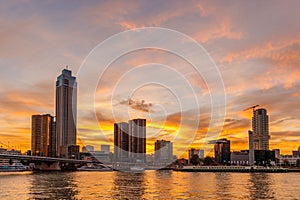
(260, 127)
(42, 134)
(222, 151)
(137, 139)
(66, 113)
(163, 151)
(121, 141)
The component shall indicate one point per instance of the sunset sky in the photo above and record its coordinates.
(254, 44)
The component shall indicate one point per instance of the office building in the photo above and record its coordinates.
(66, 113)
(163, 151)
(296, 153)
(121, 141)
(264, 157)
(222, 151)
(239, 157)
(260, 128)
(43, 135)
(105, 148)
(137, 139)
(193, 151)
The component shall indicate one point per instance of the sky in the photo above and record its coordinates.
(254, 46)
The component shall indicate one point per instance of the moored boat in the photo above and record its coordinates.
(7, 165)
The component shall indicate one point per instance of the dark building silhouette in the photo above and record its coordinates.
(121, 141)
(42, 134)
(193, 151)
(66, 113)
(222, 151)
(264, 157)
(260, 127)
(137, 139)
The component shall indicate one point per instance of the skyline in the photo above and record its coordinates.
(257, 55)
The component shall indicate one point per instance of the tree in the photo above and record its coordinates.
(286, 162)
(195, 160)
(208, 160)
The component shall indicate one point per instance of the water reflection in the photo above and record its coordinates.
(162, 190)
(56, 185)
(223, 183)
(149, 185)
(128, 185)
(260, 186)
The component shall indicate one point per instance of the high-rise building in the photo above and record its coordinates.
(193, 151)
(42, 134)
(251, 148)
(163, 151)
(121, 141)
(260, 128)
(222, 151)
(66, 113)
(53, 144)
(137, 139)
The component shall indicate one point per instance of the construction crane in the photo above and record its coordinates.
(252, 107)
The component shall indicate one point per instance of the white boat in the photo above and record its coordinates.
(7, 165)
(137, 169)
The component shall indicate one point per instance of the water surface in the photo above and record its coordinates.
(149, 185)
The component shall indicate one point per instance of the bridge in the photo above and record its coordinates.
(49, 163)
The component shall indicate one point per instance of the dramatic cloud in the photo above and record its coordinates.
(137, 105)
(255, 45)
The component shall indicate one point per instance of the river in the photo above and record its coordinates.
(149, 185)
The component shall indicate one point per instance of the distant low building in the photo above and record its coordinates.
(296, 153)
(105, 148)
(288, 160)
(88, 148)
(193, 151)
(10, 152)
(264, 157)
(240, 157)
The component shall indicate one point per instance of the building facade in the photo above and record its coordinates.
(193, 151)
(105, 148)
(43, 135)
(66, 113)
(163, 151)
(240, 157)
(222, 151)
(121, 141)
(251, 148)
(260, 128)
(137, 140)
